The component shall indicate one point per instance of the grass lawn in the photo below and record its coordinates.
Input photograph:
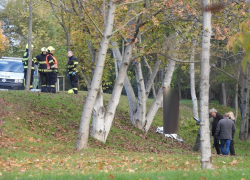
(40, 131)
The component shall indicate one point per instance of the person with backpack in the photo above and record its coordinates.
(52, 69)
(40, 60)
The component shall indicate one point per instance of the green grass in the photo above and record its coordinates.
(40, 132)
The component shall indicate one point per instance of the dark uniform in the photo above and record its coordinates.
(52, 70)
(73, 73)
(25, 68)
(197, 143)
(41, 61)
(214, 125)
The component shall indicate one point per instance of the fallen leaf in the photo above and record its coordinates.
(234, 162)
(31, 139)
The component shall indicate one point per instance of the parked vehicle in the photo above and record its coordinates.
(12, 76)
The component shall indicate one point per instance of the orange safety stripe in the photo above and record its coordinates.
(55, 62)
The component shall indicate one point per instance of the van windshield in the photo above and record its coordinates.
(11, 66)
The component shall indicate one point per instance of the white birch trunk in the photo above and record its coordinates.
(116, 67)
(157, 103)
(224, 98)
(83, 133)
(206, 159)
(28, 75)
(153, 74)
(116, 94)
(192, 82)
(245, 118)
(98, 123)
(243, 106)
(237, 93)
(128, 87)
(139, 116)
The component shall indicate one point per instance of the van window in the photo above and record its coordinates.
(11, 66)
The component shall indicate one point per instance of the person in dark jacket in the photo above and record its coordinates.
(40, 60)
(216, 118)
(224, 130)
(232, 151)
(197, 143)
(72, 72)
(25, 65)
(52, 69)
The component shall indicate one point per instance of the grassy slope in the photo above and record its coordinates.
(40, 131)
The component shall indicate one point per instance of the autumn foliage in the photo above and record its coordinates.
(3, 40)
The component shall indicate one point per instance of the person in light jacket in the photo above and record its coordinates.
(232, 150)
(224, 131)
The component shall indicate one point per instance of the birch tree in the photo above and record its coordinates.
(206, 159)
(30, 49)
(192, 81)
(83, 133)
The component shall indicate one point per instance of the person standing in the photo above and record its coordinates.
(216, 118)
(25, 65)
(72, 72)
(52, 69)
(40, 60)
(232, 150)
(224, 130)
(197, 141)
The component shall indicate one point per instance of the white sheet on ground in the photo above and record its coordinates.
(173, 136)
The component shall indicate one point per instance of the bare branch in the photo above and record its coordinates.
(224, 72)
(177, 60)
(130, 3)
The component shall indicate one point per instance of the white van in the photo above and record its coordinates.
(12, 75)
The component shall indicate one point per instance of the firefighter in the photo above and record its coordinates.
(40, 60)
(52, 69)
(72, 72)
(25, 65)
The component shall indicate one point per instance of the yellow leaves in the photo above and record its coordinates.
(234, 162)
(31, 139)
(244, 27)
(155, 21)
(4, 42)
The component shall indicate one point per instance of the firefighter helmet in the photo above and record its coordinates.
(70, 91)
(51, 48)
(44, 49)
(27, 46)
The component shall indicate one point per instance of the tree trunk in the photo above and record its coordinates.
(206, 159)
(98, 123)
(157, 103)
(30, 48)
(245, 107)
(116, 94)
(139, 116)
(192, 82)
(224, 98)
(237, 93)
(83, 133)
(153, 74)
(116, 67)
(179, 82)
(128, 87)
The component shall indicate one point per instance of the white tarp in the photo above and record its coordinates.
(173, 136)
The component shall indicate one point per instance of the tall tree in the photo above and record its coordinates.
(83, 133)
(206, 158)
(30, 48)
